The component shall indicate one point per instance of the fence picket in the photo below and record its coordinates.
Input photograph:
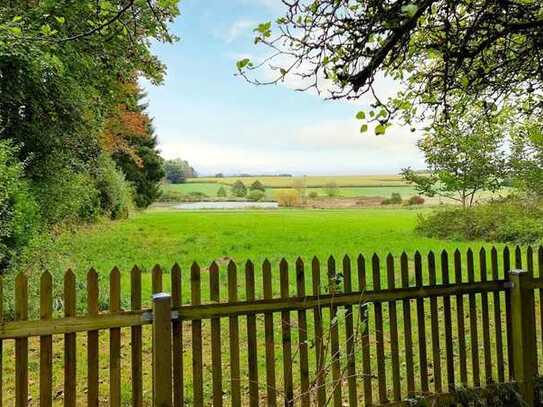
(508, 313)
(460, 320)
(349, 334)
(136, 340)
(476, 379)
(486, 320)
(320, 379)
(92, 340)
(421, 327)
(434, 321)
(445, 277)
(408, 334)
(540, 276)
(46, 342)
(21, 344)
(234, 337)
(115, 340)
(197, 350)
(177, 339)
(497, 319)
(334, 334)
(70, 350)
(156, 279)
(268, 332)
(251, 336)
(287, 347)
(216, 350)
(394, 341)
(379, 333)
(302, 336)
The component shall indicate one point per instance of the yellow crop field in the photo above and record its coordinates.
(311, 181)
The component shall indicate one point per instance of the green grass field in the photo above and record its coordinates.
(165, 236)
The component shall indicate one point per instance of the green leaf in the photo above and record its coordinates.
(242, 63)
(60, 20)
(16, 19)
(361, 115)
(409, 9)
(15, 31)
(379, 130)
(364, 128)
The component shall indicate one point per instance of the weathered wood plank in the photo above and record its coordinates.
(421, 327)
(136, 340)
(46, 342)
(320, 374)
(197, 349)
(21, 344)
(508, 313)
(177, 339)
(251, 336)
(216, 349)
(271, 389)
(408, 335)
(461, 330)
(70, 368)
(1, 342)
(302, 336)
(473, 325)
(93, 351)
(487, 346)
(449, 350)
(500, 365)
(394, 338)
(286, 339)
(350, 334)
(434, 321)
(235, 379)
(115, 340)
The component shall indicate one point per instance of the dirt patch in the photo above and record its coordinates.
(343, 203)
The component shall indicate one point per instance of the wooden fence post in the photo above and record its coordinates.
(524, 333)
(162, 350)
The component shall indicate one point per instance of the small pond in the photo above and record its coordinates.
(227, 205)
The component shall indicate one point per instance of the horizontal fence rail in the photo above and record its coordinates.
(400, 331)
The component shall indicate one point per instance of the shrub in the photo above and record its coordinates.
(221, 192)
(114, 191)
(313, 194)
(415, 200)
(255, 196)
(257, 186)
(195, 196)
(239, 189)
(508, 221)
(395, 199)
(331, 189)
(288, 198)
(19, 212)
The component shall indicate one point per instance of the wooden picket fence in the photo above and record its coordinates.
(359, 333)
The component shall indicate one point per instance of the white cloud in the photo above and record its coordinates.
(238, 29)
(327, 147)
(272, 5)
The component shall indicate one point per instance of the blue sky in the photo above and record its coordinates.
(220, 123)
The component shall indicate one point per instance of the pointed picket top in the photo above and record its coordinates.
(431, 254)
(266, 263)
(231, 265)
(21, 296)
(482, 252)
(176, 268)
(213, 267)
(417, 254)
(46, 278)
(135, 272)
(283, 263)
(444, 255)
(361, 258)
(494, 251)
(518, 257)
(315, 261)
(299, 262)
(115, 273)
(92, 274)
(403, 256)
(156, 269)
(21, 278)
(457, 252)
(529, 251)
(346, 259)
(469, 252)
(194, 268)
(506, 250)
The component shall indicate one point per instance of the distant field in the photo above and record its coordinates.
(311, 181)
(210, 189)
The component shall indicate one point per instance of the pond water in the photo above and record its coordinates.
(227, 205)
